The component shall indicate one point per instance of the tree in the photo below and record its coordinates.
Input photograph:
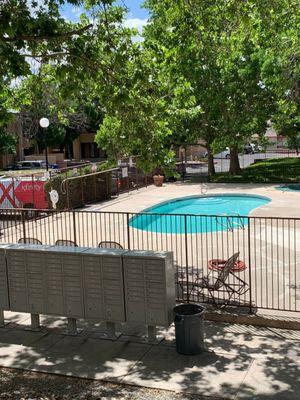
(8, 143)
(294, 142)
(210, 45)
(247, 103)
(31, 30)
(280, 70)
(43, 94)
(176, 30)
(136, 121)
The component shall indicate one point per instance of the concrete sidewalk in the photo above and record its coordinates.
(242, 362)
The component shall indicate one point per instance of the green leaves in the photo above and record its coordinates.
(214, 71)
(212, 46)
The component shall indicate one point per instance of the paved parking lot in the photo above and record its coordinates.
(222, 164)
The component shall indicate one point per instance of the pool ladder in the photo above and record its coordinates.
(230, 223)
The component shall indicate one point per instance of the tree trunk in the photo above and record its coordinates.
(210, 160)
(234, 167)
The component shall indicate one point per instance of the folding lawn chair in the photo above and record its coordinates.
(215, 283)
(29, 241)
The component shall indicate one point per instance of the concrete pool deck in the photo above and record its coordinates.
(269, 248)
(283, 203)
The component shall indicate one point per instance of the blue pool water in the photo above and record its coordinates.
(199, 214)
(288, 188)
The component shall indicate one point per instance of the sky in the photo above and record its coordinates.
(136, 17)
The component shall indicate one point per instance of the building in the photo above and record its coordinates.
(85, 148)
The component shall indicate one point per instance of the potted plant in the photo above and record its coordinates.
(158, 179)
(167, 171)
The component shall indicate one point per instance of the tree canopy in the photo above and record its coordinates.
(33, 34)
(214, 71)
(210, 45)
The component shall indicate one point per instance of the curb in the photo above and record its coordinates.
(255, 320)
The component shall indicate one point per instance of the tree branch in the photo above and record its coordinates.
(46, 55)
(35, 38)
(92, 65)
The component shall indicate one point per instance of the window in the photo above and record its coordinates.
(89, 150)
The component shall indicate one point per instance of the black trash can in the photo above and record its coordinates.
(189, 328)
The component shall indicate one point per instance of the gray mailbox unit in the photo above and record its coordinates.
(75, 282)
(64, 283)
(46, 280)
(25, 269)
(4, 299)
(103, 286)
(149, 288)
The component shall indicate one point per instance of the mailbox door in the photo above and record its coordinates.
(73, 288)
(93, 287)
(4, 303)
(135, 295)
(54, 284)
(113, 288)
(35, 281)
(18, 292)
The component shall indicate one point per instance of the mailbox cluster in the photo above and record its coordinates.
(109, 285)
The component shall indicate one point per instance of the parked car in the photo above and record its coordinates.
(249, 148)
(257, 147)
(224, 154)
(26, 165)
(53, 166)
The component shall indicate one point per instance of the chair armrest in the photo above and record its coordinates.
(238, 278)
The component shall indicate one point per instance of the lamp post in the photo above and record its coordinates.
(44, 123)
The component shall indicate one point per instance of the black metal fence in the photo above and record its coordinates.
(78, 191)
(87, 183)
(199, 167)
(251, 158)
(269, 259)
(76, 188)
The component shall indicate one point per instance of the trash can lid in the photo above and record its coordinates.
(188, 309)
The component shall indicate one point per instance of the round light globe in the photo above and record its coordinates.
(44, 122)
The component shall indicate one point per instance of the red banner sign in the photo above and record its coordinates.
(31, 193)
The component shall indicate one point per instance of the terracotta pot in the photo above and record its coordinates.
(158, 180)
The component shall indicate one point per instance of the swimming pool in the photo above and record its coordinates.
(199, 214)
(289, 188)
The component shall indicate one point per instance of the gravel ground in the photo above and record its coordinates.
(27, 385)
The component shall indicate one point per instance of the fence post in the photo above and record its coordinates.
(82, 190)
(32, 183)
(13, 188)
(249, 267)
(95, 188)
(24, 225)
(68, 199)
(128, 232)
(74, 226)
(183, 166)
(118, 183)
(186, 259)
